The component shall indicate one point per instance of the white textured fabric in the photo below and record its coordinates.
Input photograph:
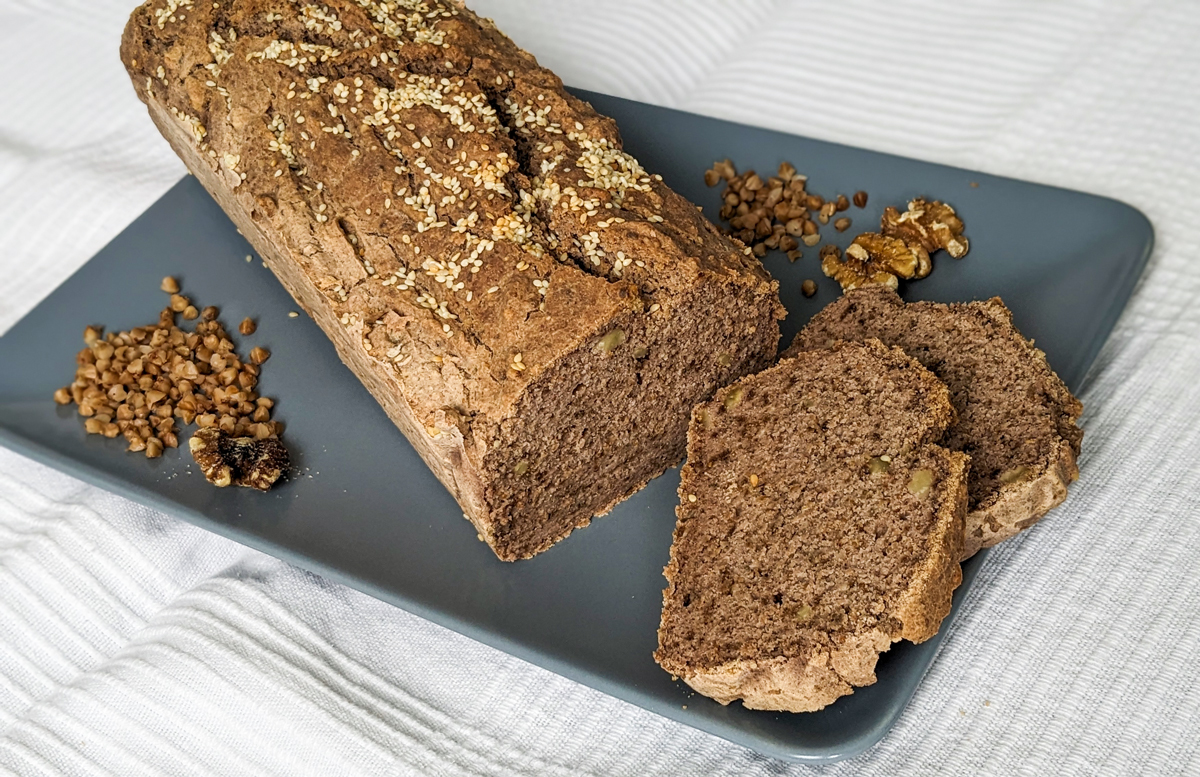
(133, 644)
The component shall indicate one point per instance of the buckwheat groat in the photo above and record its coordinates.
(1016, 419)
(535, 311)
(818, 523)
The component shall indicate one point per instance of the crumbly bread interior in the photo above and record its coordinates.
(819, 521)
(1016, 418)
(599, 425)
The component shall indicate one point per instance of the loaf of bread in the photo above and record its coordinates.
(1016, 418)
(533, 309)
(819, 521)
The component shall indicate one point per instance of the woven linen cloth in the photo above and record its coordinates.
(134, 644)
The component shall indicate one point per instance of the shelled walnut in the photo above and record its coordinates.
(902, 247)
(852, 272)
(905, 260)
(238, 461)
(932, 225)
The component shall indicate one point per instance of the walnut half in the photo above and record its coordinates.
(904, 259)
(239, 461)
(876, 259)
(932, 225)
(852, 273)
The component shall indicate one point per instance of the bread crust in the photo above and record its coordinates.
(1020, 505)
(927, 602)
(455, 313)
(439, 452)
(795, 684)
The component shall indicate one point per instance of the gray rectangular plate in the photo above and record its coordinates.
(363, 509)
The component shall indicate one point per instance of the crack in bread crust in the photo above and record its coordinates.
(460, 226)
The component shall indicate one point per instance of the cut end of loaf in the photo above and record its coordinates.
(603, 421)
(818, 522)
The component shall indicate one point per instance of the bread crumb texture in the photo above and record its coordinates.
(1014, 416)
(826, 524)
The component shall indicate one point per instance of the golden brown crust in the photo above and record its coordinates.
(794, 684)
(436, 451)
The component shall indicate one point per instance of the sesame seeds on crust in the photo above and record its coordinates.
(467, 182)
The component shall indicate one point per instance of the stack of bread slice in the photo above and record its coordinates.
(827, 501)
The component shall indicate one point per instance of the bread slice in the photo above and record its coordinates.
(534, 310)
(1016, 418)
(818, 523)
